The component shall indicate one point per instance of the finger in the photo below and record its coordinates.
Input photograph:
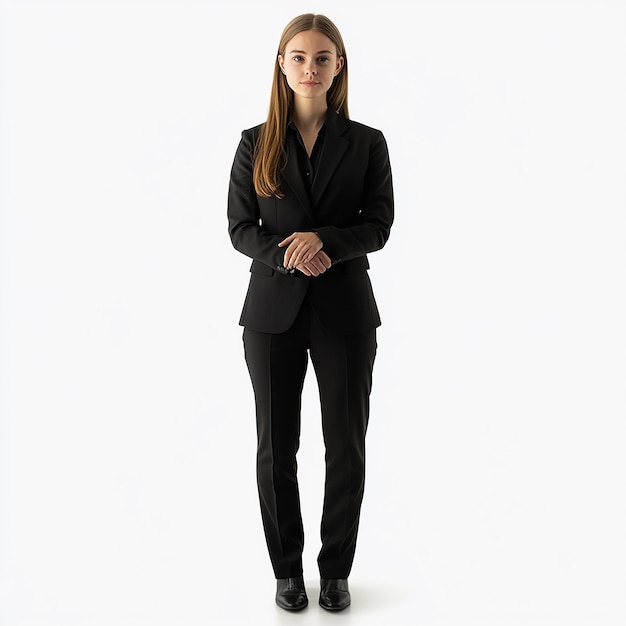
(286, 240)
(315, 256)
(289, 255)
(325, 261)
(321, 267)
(313, 269)
(316, 267)
(314, 248)
(292, 258)
(298, 254)
(311, 250)
(321, 259)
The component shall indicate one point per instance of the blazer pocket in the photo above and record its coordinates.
(258, 267)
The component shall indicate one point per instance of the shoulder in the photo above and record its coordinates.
(248, 141)
(370, 141)
(355, 129)
(364, 137)
(252, 133)
(358, 127)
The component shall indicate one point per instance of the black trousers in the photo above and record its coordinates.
(343, 366)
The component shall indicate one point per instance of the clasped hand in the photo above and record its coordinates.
(304, 253)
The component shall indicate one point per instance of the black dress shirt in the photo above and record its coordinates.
(307, 165)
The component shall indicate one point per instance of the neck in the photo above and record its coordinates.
(309, 114)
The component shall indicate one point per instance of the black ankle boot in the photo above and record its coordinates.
(334, 594)
(291, 594)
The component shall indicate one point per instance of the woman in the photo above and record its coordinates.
(310, 195)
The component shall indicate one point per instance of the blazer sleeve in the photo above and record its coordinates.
(373, 226)
(244, 225)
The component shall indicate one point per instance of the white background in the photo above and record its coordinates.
(496, 467)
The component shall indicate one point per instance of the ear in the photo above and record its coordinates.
(339, 65)
(281, 62)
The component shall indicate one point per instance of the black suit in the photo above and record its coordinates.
(351, 209)
(333, 316)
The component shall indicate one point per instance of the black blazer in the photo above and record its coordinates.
(350, 206)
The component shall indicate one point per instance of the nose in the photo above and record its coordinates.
(310, 70)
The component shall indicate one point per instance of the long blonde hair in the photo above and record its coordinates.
(270, 151)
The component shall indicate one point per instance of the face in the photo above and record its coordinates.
(310, 64)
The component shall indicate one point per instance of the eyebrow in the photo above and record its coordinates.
(304, 52)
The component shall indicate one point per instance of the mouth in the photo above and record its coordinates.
(309, 82)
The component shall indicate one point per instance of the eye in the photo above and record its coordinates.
(297, 59)
(323, 59)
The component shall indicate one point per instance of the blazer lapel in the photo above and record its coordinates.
(335, 146)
